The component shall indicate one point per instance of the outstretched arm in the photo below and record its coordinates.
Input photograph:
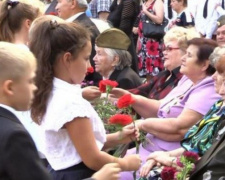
(81, 134)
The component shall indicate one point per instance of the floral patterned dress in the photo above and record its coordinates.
(149, 51)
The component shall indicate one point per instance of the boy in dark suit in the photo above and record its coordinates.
(19, 159)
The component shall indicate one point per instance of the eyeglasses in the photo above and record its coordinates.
(169, 48)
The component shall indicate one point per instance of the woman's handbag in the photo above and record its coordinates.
(153, 30)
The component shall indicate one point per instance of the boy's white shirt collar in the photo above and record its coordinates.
(12, 110)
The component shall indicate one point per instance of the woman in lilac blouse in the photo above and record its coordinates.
(167, 120)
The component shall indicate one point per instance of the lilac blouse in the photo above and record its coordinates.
(199, 98)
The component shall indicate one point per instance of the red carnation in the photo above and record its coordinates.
(120, 119)
(168, 173)
(179, 163)
(53, 13)
(125, 101)
(191, 156)
(104, 84)
(90, 70)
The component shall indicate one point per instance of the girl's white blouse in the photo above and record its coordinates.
(65, 104)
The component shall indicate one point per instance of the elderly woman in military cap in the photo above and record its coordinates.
(112, 60)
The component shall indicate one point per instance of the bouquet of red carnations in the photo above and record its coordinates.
(186, 164)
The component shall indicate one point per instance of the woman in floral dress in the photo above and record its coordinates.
(150, 50)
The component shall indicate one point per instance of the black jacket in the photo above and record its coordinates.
(86, 22)
(126, 78)
(212, 162)
(19, 158)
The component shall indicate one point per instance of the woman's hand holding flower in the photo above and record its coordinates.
(158, 158)
(137, 123)
(118, 92)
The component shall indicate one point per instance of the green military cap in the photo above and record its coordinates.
(221, 21)
(113, 38)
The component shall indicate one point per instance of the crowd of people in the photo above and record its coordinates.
(49, 128)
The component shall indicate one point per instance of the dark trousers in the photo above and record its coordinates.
(77, 172)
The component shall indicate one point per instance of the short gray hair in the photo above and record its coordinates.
(82, 3)
(124, 57)
(216, 54)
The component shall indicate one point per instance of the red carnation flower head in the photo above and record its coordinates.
(107, 85)
(120, 119)
(191, 156)
(90, 70)
(125, 101)
(168, 173)
(53, 13)
(179, 163)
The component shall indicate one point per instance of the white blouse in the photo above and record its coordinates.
(65, 104)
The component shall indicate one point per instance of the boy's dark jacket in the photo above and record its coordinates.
(19, 158)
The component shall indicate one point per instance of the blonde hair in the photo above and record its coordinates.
(15, 61)
(41, 19)
(181, 35)
(220, 65)
(216, 55)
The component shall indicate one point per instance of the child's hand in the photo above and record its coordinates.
(131, 132)
(109, 171)
(90, 93)
(133, 162)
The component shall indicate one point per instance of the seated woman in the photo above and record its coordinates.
(212, 163)
(161, 84)
(201, 136)
(71, 127)
(184, 17)
(15, 21)
(172, 116)
(112, 60)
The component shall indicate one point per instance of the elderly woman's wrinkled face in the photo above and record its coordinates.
(222, 88)
(172, 55)
(218, 80)
(189, 66)
(103, 64)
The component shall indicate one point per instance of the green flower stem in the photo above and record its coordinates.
(134, 175)
(107, 97)
(137, 146)
(137, 151)
(185, 174)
